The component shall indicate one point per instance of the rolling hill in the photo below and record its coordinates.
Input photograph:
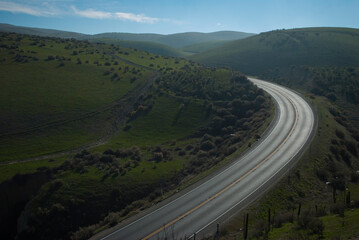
(283, 48)
(177, 40)
(154, 43)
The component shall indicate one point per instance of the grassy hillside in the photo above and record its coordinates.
(56, 94)
(283, 48)
(151, 47)
(166, 120)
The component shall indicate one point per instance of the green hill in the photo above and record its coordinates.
(151, 47)
(284, 48)
(203, 46)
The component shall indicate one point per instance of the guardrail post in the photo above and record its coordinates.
(246, 227)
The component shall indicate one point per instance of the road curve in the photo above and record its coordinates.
(240, 183)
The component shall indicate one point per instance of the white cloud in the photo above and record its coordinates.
(46, 9)
(220, 25)
(136, 17)
(90, 13)
(17, 8)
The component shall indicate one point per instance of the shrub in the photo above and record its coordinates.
(354, 176)
(322, 174)
(158, 156)
(207, 145)
(337, 208)
(107, 158)
(56, 184)
(127, 127)
(281, 218)
(109, 152)
(339, 134)
(181, 153)
(84, 233)
(351, 148)
(112, 218)
(189, 147)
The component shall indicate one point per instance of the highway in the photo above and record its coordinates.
(214, 200)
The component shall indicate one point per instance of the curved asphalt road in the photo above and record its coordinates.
(237, 185)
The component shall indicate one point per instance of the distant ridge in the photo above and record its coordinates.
(285, 48)
(176, 40)
(42, 32)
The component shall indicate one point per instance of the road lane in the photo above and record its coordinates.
(240, 183)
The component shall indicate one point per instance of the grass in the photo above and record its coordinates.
(48, 140)
(337, 227)
(164, 122)
(10, 170)
(45, 107)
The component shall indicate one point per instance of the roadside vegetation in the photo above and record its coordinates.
(158, 122)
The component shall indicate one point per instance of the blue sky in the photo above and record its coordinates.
(167, 16)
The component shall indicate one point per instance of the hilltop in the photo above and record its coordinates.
(41, 32)
(283, 48)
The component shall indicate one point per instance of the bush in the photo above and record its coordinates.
(206, 146)
(112, 219)
(337, 208)
(127, 127)
(279, 219)
(322, 174)
(181, 153)
(189, 147)
(351, 148)
(56, 184)
(84, 233)
(158, 156)
(107, 158)
(339, 134)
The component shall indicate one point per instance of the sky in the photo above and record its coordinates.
(168, 16)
